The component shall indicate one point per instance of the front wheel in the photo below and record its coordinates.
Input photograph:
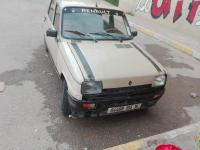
(65, 103)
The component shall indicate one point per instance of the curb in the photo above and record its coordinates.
(173, 43)
(184, 137)
(135, 145)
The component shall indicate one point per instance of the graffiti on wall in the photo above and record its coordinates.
(144, 6)
(163, 9)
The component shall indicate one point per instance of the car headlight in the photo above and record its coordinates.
(91, 87)
(159, 80)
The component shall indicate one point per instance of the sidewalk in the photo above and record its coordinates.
(186, 138)
(185, 43)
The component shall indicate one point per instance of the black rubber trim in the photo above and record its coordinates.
(84, 62)
(154, 64)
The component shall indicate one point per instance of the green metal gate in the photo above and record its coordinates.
(114, 2)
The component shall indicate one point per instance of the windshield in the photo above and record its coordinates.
(94, 24)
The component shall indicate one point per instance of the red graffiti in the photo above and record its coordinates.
(178, 11)
(193, 10)
(164, 9)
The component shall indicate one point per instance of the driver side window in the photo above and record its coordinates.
(118, 24)
(112, 24)
(106, 22)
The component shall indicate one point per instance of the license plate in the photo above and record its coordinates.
(124, 108)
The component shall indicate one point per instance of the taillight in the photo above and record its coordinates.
(89, 106)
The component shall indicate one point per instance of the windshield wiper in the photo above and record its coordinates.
(75, 32)
(81, 33)
(102, 33)
(108, 34)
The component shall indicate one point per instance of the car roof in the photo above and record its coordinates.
(82, 3)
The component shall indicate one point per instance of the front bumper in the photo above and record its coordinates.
(104, 101)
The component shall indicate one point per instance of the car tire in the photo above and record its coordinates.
(65, 102)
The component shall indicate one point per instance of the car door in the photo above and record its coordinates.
(53, 21)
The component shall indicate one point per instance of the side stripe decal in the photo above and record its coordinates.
(84, 62)
(153, 63)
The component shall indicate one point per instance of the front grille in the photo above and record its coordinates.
(127, 93)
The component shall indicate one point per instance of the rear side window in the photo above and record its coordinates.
(52, 10)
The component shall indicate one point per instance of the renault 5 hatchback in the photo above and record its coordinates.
(104, 71)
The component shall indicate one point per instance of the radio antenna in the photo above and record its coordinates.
(97, 3)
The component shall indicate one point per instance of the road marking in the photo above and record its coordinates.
(129, 146)
(133, 145)
(182, 47)
(147, 31)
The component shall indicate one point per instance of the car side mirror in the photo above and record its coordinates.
(134, 33)
(51, 33)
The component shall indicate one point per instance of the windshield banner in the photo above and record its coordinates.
(93, 10)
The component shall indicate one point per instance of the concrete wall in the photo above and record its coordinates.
(170, 15)
(127, 5)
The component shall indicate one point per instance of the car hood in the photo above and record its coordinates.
(116, 64)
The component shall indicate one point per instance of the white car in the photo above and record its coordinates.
(103, 69)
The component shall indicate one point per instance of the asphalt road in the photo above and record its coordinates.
(30, 115)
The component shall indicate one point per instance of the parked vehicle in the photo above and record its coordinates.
(104, 71)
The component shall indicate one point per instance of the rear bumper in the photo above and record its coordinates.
(101, 106)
